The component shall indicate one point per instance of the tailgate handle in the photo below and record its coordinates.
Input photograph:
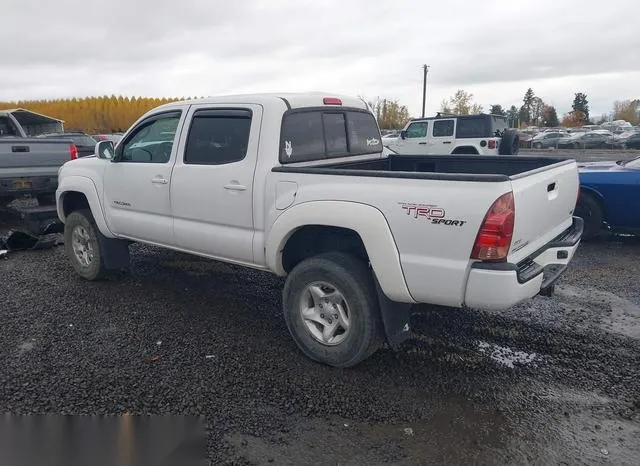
(19, 148)
(551, 187)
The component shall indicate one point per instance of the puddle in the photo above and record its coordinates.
(506, 356)
(456, 432)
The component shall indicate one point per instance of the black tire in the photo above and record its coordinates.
(46, 199)
(510, 143)
(95, 269)
(354, 280)
(588, 208)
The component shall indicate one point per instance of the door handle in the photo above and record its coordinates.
(19, 148)
(446, 142)
(235, 187)
(159, 180)
(422, 143)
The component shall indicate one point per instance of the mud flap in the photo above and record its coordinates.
(115, 253)
(395, 317)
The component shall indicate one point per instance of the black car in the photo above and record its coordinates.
(632, 142)
(589, 140)
(84, 143)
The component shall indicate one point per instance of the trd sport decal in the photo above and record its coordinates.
(436, 215)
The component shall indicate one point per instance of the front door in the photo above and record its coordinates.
(442, 137)
(212, 183)
(415, 141)
(137, 182)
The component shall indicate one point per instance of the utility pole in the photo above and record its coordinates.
(424, 88)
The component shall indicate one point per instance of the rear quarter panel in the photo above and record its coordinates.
(434, 223)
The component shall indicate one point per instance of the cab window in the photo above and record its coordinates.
(152, 141)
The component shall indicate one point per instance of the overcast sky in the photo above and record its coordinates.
(493, 49)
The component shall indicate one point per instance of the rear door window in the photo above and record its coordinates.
(217, 137)
(443, 128)
(320, 134)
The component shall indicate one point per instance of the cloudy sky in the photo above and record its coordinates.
(494, 49)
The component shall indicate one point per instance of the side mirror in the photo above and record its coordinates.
(105, 150)
(403, 134)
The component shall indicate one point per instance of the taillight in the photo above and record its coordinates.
(331, 101)
(492, 144)
(494, 237)
(74, 151)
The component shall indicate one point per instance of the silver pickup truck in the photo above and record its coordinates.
(29, 165)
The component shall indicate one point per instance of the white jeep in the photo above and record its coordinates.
(450, 134)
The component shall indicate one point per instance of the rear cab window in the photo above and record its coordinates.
(319, 134)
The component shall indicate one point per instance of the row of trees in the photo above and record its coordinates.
(113, 114)
(535, 112)
(93, 114)
(628, 110)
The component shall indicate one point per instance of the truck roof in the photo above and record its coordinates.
(291, 100)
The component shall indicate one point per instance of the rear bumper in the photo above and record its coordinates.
(501, 285)
(17, 186)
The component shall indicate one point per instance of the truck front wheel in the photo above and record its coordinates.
(331, 309)
(82, 245)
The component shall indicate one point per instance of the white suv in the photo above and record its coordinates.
(469, 134)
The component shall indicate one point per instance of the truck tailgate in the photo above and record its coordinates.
(545, 199)
(33, 153)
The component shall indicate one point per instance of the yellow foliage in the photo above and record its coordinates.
(92, 115)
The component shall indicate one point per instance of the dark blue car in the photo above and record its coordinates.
(609, 197)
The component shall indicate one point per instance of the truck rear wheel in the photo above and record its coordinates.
(331, 309)
(82, 245)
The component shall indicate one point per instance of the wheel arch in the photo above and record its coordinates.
(596, 195)
(355, 221)
(77, 192)
(465, 150)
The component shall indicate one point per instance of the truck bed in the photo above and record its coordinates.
(449, 167)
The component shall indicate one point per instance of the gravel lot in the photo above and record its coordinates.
(552, 381)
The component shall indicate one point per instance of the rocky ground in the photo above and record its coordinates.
(553, 381)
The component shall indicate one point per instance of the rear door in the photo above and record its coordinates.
(442, 137)
(544, 202)
(212, 181)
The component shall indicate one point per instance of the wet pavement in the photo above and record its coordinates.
(552, 381)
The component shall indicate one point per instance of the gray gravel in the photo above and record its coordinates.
(552, 381)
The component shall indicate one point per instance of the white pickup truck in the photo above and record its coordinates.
(300, 185)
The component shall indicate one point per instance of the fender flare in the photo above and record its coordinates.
(86, 186)
(365, 220)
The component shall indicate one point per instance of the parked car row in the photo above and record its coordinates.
(597, 139)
